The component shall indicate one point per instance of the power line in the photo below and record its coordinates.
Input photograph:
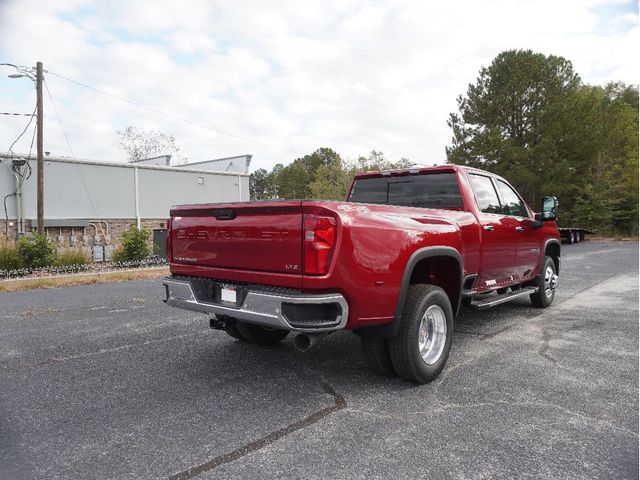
(17, 114)
(64, 132)
(31, 117)
(171, 115)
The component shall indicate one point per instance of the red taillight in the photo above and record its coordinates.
(319, 240)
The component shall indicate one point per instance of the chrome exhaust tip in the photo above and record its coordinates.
(304, 341)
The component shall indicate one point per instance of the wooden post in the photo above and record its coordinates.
(40, 149)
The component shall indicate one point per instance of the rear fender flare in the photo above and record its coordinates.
(391, 329)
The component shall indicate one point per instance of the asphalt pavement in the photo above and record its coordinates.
(105, 381)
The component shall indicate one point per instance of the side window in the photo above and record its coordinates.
(512, 203)
(486, 195)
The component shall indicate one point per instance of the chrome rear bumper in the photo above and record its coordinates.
(270, 309)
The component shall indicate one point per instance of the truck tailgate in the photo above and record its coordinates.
(256, 236)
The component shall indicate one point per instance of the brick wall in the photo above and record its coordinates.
(7, 230)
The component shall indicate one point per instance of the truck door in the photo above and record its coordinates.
(528, 253)
(497, 235)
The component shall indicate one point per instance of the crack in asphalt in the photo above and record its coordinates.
(544, 348)
(498, 332)
(543, 351)
(338, 404)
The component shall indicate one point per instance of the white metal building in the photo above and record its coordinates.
(111, 196)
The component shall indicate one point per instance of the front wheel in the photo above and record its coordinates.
(421, 348)
(260, 335)
(547, 284)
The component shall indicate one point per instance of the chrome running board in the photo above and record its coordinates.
(492, 300)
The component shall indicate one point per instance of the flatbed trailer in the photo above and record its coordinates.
(574, 234)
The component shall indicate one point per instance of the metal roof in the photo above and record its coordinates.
(123, 165)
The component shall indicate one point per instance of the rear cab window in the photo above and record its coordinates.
(430, 190)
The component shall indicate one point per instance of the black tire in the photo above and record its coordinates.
(500, 291)
(376, 352)
(260, 335)
(541, 299)
(577, 237)
(570, 238)
(404, 348)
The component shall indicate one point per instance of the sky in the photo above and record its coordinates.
(280, 79)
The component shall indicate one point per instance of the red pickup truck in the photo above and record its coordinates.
(393, 263)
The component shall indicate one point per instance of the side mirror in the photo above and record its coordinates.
(549, 209)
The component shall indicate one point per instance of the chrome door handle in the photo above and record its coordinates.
(519, 229)
(488, 228)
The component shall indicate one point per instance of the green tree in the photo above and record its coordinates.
(513, 119)
(322, 175)
(376, 160)
(331, 181)
(261, 185)
(294, 180)
(530, 119)
(608, 196)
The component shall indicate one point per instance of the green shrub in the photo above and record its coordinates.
(36, 251)
(118, 254)
(9, 259)
(135, 244)
(71, 257)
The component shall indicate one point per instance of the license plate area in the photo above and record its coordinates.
(229, 294)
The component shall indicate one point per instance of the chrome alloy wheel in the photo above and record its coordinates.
(432, 334)
(550, 281)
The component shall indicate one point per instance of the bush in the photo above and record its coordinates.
(118, 255)
(71, 257)
(9, 259)
(135, 245)
(36, 251)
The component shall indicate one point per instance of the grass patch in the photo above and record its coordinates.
(9, 258)
(82, 279)
(71, 257)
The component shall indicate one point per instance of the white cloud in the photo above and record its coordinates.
(352, 75)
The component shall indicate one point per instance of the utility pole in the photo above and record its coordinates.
(40, 149)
